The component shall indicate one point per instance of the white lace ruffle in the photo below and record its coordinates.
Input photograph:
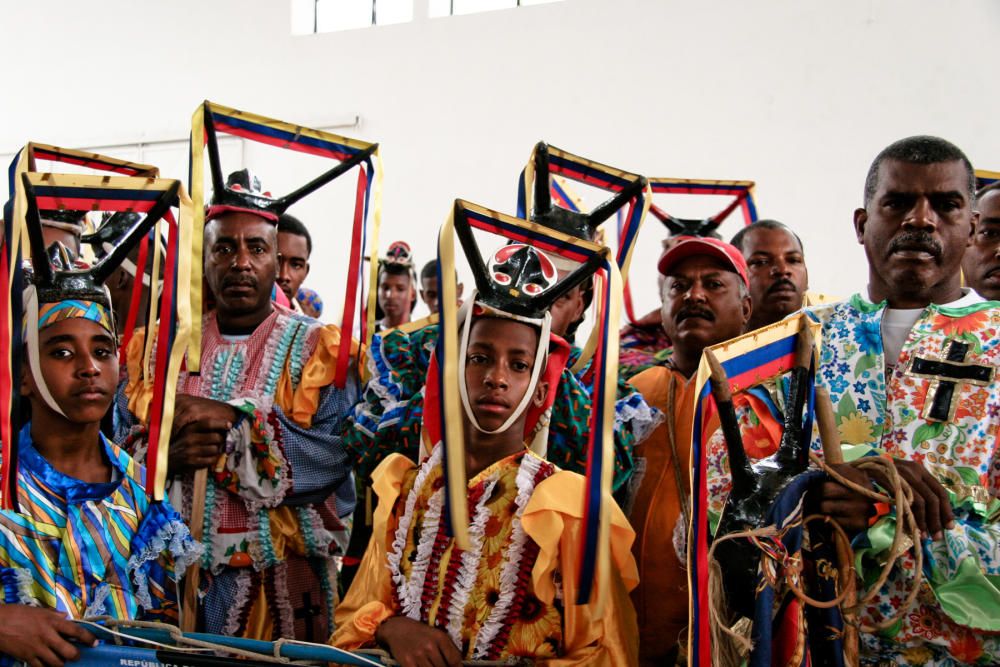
(25, 589)
(395, 555)
(174, 539)
(411, 603)
(641, 418)
(232, 624)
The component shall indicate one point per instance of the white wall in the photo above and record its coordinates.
(798, 96)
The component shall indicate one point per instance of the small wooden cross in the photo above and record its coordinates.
(307, 613)
(947, 377)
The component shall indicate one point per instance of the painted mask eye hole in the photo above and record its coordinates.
(501, 278)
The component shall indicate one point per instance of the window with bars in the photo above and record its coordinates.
(315, 16)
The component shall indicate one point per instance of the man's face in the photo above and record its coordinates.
(395, 294)
(429, 292)
(566, 310)
(916, 227)
(78, 361)
(982, 259)
(498, 367)
(293, 263)
(702, 304)
(777, 272)
(241, 259)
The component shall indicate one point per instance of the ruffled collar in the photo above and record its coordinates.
(72, 489)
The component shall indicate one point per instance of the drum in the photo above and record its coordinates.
(144, 644)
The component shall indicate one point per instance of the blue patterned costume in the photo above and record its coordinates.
(92, 549)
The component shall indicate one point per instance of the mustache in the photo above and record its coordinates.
(918, 240)
(784, 282)
(239, 281)
(694, 311)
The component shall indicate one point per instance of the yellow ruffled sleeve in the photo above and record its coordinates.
(138, 392)
(554, 520)
(369, 601)
(300, 403)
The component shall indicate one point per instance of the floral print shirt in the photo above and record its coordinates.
(937, 404)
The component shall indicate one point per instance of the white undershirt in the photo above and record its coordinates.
(897, 323)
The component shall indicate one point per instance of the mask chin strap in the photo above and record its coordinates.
(31, 342)
(465, 316)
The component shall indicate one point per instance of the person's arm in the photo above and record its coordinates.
(569, 428)
(388, 418)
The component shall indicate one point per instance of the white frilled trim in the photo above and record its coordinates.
(232, 624)
(174, 539)
(395, 555)
(25, 589)
(526, 475)
(641, 418)
(410, 597)
(96, 606)
(465, 578)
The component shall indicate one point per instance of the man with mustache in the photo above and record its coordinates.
(981, 264)
(264, 417)
(705, 301)
(776, 266)
(911, 369)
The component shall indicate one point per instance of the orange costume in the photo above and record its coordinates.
(511, 594)
(659, 491)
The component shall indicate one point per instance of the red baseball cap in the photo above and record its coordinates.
(691, 246)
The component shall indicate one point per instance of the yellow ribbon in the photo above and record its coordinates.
(452, 417)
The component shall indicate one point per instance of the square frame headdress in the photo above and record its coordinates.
(543, 193)
(591, 258)
(210, 119)
(140, 192)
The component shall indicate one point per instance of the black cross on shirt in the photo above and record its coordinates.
(946, 376)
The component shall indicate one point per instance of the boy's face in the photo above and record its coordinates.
(78, 361)
(395, 295)
(429, 292)
(293, 262)
(498, 367)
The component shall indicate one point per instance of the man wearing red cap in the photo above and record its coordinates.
(705, 301)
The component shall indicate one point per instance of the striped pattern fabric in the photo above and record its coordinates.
(91, 549)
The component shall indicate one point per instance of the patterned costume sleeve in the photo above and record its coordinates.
(291, 451)
(162, 550)
(127, 396)
(370, 599)
(570, 423)
(388, 418)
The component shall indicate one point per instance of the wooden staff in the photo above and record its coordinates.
(833, 455)
(192, 580)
